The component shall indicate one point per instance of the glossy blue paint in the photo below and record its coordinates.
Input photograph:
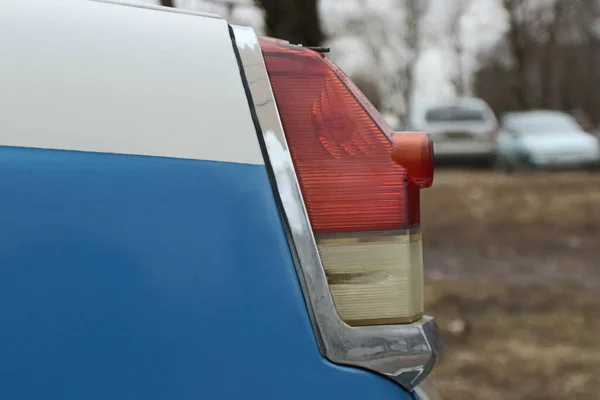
(125, 277)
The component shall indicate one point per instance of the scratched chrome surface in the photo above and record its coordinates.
(404, 353)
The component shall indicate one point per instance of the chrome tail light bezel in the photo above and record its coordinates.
(405, 353)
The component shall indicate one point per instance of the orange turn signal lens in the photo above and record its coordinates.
(414, 152)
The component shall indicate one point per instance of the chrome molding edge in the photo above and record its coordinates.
(404, 353)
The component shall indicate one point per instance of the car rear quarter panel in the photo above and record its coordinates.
(142, 254)
(143, 277)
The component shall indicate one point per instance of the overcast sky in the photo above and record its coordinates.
(482, 25)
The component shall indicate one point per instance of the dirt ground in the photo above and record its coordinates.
(513, 278)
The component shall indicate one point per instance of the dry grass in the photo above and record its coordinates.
(521, 342)
(516, 258)
(547, 206)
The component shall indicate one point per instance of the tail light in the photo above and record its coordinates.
(360, 182)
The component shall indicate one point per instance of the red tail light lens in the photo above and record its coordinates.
(351, 177)
(360, 182)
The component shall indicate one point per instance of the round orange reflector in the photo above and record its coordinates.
(414, 151)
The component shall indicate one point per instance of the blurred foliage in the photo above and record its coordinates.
(369, 88)
(297, 21)
(548, 59)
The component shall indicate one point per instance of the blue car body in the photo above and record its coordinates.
(143, 251)
(132, 277)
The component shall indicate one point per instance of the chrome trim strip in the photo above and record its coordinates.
(404, 353)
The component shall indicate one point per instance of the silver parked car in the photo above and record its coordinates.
(462, 129)
(544, 139)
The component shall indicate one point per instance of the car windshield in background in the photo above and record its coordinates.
(453, 114)
(545, 125)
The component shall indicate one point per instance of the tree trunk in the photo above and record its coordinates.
(548, 73)
(297, 21)
(459, 81)
(517, 38)
(407, 93)
(414, 10)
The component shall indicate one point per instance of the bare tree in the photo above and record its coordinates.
(555, 52)
(380, 40)
(297, 21)
(549, 20)
(459, 80)
(590, 13)
(393, 46)
(369, 88)
(517, 37)
(414, 10)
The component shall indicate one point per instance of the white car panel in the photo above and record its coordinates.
(135, 84)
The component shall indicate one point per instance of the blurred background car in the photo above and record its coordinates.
(544, 139)
(462, 129)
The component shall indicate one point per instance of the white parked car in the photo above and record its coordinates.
(461, 129)
(544, 139)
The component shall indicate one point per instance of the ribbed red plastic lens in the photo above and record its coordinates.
(340, 146)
